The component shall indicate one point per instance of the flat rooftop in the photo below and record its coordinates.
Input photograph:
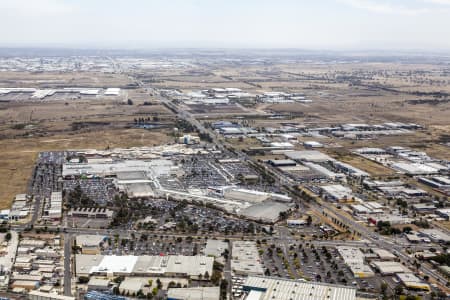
(268, 211)
(215, 247)
(194, 293)
(286, 289)
(144, 265)
(308, 155)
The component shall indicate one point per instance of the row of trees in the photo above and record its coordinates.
(143, 121)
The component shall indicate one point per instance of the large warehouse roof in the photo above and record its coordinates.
(354, 259)
(245, 259)
(112, 91)
(144, 265)
(41, 295)
(338, 191)
(286, 289)
(267, 211)
(414, 168)
(115, 264)
(390, 267)
(156, 167)
(308, 155)
(195, 293)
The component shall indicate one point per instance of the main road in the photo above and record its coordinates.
(67, 264)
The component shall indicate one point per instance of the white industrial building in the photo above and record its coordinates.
(89, 243)
(41, 94)
(296, 222)
(37, 295)
(112, 92)
(439, 182)
(390, 267)
(99, 284)
(90, 92)
(393, 219)
(368, 208)
(360, 209)
(324, 171)
(269, 288)
(414, 168)
(53, 207)
(384, 254)
(208, 101)
(215, 248)
(267, 211)
(281, 145)
(245, 259)
(91, 212)
(194, 293)
(368, 151)
(443, 213)
(349, 169)
(436, 235)
(411, 281)
(308, 155)
(252, 196)
(193, 267)
(188, 139)
(354, 259)
(337, 192)
(312, 144)
(20, 207)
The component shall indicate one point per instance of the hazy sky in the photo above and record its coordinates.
(309, 24)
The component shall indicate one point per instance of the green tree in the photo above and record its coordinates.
(83, 279)
(383, 288)
(398, 290)
(158, 283)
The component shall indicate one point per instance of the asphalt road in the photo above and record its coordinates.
(67, 265)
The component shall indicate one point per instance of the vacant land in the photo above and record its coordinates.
(366, 165)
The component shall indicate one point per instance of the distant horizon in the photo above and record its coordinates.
(344, 52)
(336, 25)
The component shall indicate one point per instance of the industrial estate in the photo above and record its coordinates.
(208, 176)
